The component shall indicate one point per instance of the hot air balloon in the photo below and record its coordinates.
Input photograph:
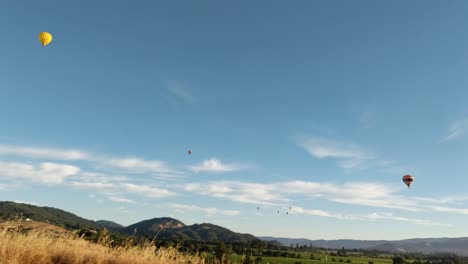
(408, 179)
(45, 38)
(190, 152)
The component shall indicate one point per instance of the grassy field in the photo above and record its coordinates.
(40, 246)
(277, 260)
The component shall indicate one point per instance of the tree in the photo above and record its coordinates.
(398, 260)
(260, 247)
(221, 251)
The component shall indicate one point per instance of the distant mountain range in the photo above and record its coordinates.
(421, 245)
(170, 228)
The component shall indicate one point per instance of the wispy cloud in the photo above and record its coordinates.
(45, 172)
(365, 217)
(362, 194)
(152, 192)
(392, 217)
(120, 200)
(137, 165)
(111, 187)
(349, 155)
(456, 130)
(206, 210)
(215, 165)
(157, 168)
(180, 91)
(450, 210)
(252, 193)
(45, 153)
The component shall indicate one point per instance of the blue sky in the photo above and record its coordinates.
(318, 105)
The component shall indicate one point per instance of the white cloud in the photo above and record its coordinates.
(390, 216)
(456, 129)
(450, 210)
(102, 186)
(282, 193)
(120, 200)
(147, 191)
(156, 168)
(206, 210)
(45, 153)
(137, 165)
(348, 154)
(252, 193)
(112, 186)
(215, 165)
(180, 91)
(45, 172)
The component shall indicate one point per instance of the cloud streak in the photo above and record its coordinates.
(364, 217)
(44, 153)
(180, 91)
(349, 155)
(120, 200)
(45, 172)
(362, 194)
(456, 130)
(205, 210)
(157, 168)
(215, 165)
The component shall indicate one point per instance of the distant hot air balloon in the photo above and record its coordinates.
(190, 152)
(408, 179)
(45, 38)
(278, 212)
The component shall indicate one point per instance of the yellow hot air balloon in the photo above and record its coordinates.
(45, 38)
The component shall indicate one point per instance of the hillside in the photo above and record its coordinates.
(167, 227)
(170, 228)
(58, 217)
(110, 225)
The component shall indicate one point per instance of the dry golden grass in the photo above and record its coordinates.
(39, 246)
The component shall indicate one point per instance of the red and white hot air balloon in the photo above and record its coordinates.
(408, 179)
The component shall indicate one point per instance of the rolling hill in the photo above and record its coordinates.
(58, 217)
(169, 228)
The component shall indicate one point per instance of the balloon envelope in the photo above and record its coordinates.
(45, 38)
(408, 180)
